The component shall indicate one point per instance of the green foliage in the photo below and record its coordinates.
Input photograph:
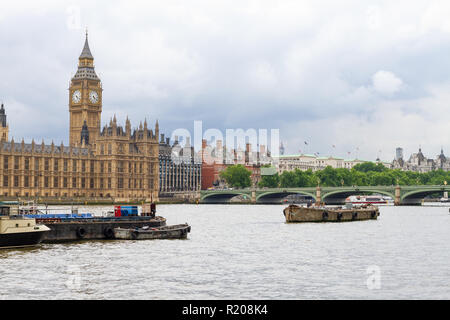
(369, 166)
(237, 176)
(364, 174)
(297, 178)
(269, 181)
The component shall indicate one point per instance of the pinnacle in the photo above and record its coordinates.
(86, 53)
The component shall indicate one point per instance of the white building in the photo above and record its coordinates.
(307, 161)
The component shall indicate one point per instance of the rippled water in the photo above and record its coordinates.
(246, 252)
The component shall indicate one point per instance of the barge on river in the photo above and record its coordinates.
(294, 213)
(74, 226)
(95, 228)
(178, 231)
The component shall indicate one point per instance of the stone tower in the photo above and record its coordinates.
(85, 98)
(4, 130)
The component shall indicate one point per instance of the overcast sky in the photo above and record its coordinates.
(364, 76)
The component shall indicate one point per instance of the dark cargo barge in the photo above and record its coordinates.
(178, 231)
(94, 228)
(85, 226)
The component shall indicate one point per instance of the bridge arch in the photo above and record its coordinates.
(282, 194)
(340, 195)
(413, 195)
(219, 197)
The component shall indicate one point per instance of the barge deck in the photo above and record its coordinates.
(62, 230)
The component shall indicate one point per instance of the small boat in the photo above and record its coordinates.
(19, 231)
(443, 199)
(374, 199)
(294, 213)
(178, 231)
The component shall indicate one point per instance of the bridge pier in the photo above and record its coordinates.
(397, 196)
(253, 198)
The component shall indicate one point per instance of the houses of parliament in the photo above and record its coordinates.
(113, 162)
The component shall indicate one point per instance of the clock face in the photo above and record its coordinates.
(93, 96)
(76, 96)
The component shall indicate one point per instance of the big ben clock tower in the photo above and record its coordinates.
(85, 99)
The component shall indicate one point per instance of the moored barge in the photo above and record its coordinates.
(178, 231)
(95, 228)
(294, 213)
(85, 226)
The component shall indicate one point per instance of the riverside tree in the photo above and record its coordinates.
(237, 176)
(271, 180)
(365, 174)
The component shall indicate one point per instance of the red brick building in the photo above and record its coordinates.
(215, 160)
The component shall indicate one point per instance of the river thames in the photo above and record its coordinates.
(246, 252)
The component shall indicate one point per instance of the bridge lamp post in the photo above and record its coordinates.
(445, 184)
(342, 182)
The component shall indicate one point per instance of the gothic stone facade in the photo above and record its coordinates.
(115, 162)
(419, 163)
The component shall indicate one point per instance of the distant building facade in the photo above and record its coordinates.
(180, 168)
(217, 158)
(419, 163)
(115, 162)
(399, 153)
(312, 162)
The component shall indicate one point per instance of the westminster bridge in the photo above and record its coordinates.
(402, 195)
